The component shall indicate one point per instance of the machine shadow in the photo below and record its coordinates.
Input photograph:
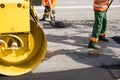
(90, 73)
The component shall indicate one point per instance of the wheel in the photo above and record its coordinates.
(31, 51)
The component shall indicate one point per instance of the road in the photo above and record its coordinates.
(75, 10)
(75, 65)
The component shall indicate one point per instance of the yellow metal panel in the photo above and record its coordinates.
(14, 16)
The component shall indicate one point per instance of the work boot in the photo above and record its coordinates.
(103, 39)
(52, 18)
(43, 19)
(93, 45)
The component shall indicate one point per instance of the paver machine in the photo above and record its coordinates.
(22, 40)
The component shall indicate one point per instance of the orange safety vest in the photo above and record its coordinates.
(53, 3)
(101, 5)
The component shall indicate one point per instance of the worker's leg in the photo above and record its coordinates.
(102, 34)
(53, 15)
(96, 30)
(46, 13)
(53, 2)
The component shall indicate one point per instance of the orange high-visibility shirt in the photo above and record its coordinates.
(53, 3)
(101, 5)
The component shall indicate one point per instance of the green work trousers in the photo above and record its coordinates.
(47, 13)
(99, 24)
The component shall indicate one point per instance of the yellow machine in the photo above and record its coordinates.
(22, 41)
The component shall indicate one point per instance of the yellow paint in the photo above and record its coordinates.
(14, 18)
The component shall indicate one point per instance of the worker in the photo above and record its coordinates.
(49, 10)
(99, 28)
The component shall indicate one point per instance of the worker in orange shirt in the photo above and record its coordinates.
(99, 28)
(49, 10)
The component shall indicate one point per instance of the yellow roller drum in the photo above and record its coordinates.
(15, 62)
